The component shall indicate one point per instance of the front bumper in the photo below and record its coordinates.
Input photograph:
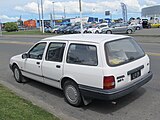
(98, 93)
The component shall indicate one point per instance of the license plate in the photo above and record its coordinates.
(135, 74)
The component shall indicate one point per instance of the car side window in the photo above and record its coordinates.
(37, 51)
(82, 54)
(55, 52)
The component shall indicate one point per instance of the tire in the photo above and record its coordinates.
(138, 28)
(96, 32)
(85, 31)
(55, 32)
(17, 74)
(108, 32)
(129, 31)
(72, 93)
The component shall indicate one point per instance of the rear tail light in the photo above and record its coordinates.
(108, 82)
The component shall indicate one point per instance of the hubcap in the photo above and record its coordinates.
(71, 94)
(129, 31)
(16, 73)
(108, 32)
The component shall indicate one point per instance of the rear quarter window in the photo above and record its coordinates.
(82, 54)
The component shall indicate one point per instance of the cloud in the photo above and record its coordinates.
(150, 2)
(72, 6)
(29, 7)
(5, 18)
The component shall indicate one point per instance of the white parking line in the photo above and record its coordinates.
(16, 42)
(153, 54)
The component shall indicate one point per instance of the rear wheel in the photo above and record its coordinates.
(17, 74)
(96, 32)
(108, 32)
(72, 93)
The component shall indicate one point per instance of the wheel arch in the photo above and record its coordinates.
(13, 64)
(109, 31)
(64, 79)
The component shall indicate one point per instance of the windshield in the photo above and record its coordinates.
(122, 51)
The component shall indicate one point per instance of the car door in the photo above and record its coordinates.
(52, 67)
(82, 64)
(120, 28)
(115, 28)
(32, 64)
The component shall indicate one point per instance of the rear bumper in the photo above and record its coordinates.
(98, 93)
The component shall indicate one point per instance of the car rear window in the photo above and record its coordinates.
(122, 51)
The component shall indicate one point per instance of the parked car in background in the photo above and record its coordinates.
(119, 28)
(137, 26)
(55, 28)
(85, 67)
(67, 29)
(61, 29)
(155, 25)
(97, 28)
(145, 23)
(72, 29)
(48, 29)
(84, 30)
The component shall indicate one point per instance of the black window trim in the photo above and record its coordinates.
(48, 50)
(79, 63)
(106, 53)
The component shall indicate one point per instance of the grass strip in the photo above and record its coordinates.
(26, 32)
(12, 107)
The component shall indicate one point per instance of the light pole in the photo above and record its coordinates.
(0, 28)
(53, 15)
(39, 15)
(80, 9)
(42, 17)
(64, 12)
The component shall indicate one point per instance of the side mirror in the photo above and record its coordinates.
(25, 55)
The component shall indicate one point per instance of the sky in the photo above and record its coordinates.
(11, 10)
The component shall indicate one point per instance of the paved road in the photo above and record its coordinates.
(142, 104)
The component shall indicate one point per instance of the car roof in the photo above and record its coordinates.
(94, 38)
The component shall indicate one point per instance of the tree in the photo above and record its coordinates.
(11, 26)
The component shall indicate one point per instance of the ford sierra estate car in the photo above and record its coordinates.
(85, 67)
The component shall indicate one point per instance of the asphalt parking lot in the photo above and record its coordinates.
(142, 104)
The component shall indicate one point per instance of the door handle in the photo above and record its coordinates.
(58, 66)
(37, 63)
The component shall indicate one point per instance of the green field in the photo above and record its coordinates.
(13, 107)
(26, 32)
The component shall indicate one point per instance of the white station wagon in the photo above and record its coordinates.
(85, 67)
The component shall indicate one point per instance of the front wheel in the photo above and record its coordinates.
(17, 74)
(138, 28)
(72, 93)
(129, 31)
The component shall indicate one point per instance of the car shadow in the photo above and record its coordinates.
(108, 107)
(100, 106)
(46, 88)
